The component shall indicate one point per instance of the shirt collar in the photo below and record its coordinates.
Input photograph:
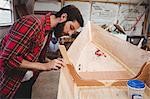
(46, 24)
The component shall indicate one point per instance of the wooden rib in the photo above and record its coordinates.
(144, 74)
(77, 79)
(82, 82)
(141, 70)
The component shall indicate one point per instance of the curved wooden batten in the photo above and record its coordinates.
(142, 75)
(80, 81)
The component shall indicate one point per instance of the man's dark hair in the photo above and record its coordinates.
(73, 14)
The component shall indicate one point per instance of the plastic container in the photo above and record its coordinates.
(136, 89)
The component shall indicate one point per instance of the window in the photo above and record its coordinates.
(6, 15)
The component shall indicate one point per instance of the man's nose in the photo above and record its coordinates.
(71, 32)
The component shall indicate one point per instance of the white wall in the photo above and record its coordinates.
(47, 6)
(103, 13)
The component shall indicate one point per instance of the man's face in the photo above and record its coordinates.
(66, 28)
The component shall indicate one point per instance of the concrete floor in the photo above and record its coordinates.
(46, 86)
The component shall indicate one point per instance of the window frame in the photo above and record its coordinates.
(12, 15)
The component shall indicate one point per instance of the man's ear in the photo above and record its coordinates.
(63, 17)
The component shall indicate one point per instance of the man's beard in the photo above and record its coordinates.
(59, 29)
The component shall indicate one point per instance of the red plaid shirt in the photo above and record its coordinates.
(24, 41)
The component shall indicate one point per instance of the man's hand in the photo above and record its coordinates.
(54, 64)
(50, 65)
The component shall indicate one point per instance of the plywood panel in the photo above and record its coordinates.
(130, 56)
(89, 61)
(77, 48)
(66, 86)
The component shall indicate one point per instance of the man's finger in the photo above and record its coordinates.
(61, 63)
(58, 67)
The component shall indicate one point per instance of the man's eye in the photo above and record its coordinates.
(71, 27)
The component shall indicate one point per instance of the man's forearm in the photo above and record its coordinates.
(32, 65)
(49, 65)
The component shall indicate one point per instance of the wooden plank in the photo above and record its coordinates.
(110, 1)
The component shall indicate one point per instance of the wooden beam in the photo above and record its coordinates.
(107, 1)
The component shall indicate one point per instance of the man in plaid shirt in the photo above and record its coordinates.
(22, 51)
